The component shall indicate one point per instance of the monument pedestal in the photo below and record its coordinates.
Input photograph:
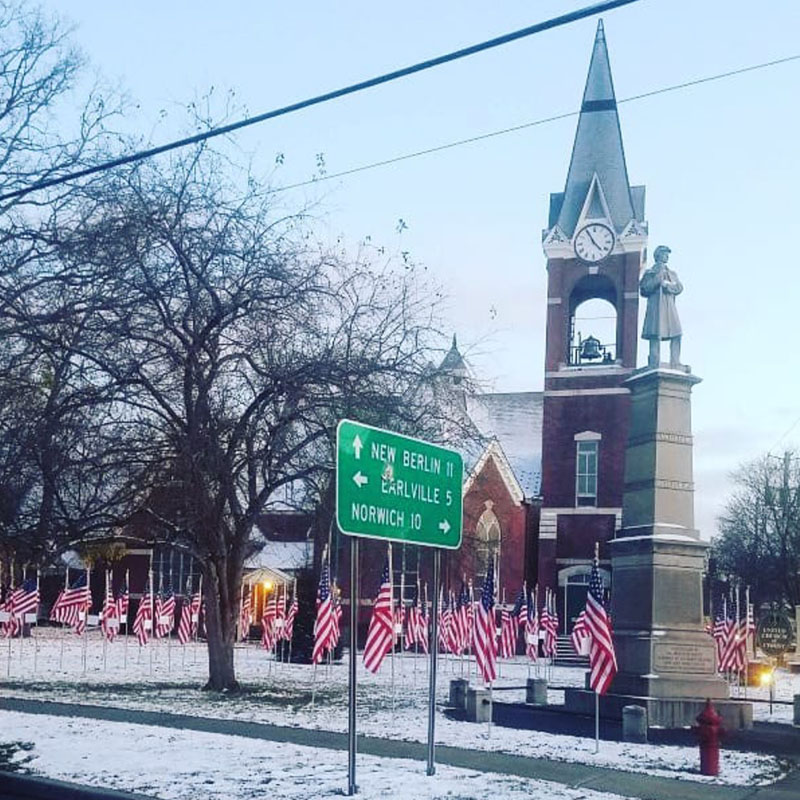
(666, 660)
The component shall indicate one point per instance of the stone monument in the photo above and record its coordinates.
(666, 660)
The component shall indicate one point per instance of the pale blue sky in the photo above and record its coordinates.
(719, 161)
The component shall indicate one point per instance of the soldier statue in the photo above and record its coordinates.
(660, 285)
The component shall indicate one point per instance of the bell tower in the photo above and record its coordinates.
(595, 243)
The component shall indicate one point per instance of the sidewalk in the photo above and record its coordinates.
(571, 774)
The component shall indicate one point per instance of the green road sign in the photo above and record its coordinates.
(394, 487)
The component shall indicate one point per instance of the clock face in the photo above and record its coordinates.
(593, 242)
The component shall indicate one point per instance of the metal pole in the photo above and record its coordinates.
(596, 722)
(352, 788)
(434, 652)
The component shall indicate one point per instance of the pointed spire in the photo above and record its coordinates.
(454, 362)
(598, 148)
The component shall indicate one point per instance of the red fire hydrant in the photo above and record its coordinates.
(708, 731)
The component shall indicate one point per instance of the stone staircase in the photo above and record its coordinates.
(566, 655)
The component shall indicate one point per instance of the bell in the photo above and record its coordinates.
(590, 349)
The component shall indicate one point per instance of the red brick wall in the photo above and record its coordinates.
(563, 418)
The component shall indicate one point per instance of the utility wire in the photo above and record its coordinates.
(539, 27)
(523, 126)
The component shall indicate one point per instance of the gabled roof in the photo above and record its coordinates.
(597, 151)
(495, 452)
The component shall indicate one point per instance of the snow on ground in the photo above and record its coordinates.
(165, 678)
(184, 765)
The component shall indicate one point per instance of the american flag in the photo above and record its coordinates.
(550, 624)
(423, 633)
(509, 627)
(288, 625)
(733, 643)
(445, 621)
(485, 638)
(143, 621)
(185, 626)
(532, 629)
(412, 622)
(580, 635)
(719, 630)
(123, 602)
(336, 613)
(380, 635)
(23, 600)
(73, 604)
(110, 621)
(461, 617)
(165, 614)
(602, 656)
(280, 613)
(506, 636)
(323, 625)
(268, 637)
(244, 614)
(399, 620)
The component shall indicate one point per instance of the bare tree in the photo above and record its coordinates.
(759, 540)
(236, 344)
(47, 399)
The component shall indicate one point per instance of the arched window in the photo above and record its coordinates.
(487, 544)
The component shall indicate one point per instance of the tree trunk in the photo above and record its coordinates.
(220, 632)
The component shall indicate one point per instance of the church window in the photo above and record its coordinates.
(586, 473)
(487, 544)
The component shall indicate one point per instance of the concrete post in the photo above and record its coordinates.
(536, 692)
(634, 724)
(479, 707)
(458, 693)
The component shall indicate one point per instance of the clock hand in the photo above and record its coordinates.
(591, 238)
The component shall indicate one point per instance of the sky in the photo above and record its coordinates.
(719, 161)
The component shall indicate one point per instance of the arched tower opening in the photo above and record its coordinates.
(593, 324)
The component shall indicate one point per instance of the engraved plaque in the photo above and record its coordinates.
(688, 658)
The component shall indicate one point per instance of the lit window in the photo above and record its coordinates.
(586, 474)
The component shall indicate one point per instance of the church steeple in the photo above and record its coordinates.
(597, 180)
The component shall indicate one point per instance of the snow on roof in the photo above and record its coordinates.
(515, 419)
(285, 556)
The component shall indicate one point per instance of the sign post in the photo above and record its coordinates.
(399, 489)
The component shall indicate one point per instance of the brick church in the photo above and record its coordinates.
(550, 483)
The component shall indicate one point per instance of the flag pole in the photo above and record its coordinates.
(86, 613)
(105, 638)
(10, 592)
(402, 607)
(596, 693)
(391, 606)
(23, 578)
(197, 624)
(36, 624)
(63, 637)
(427, 626)
(127, 627)
(152, 620)
(746, 637)
(596, 721)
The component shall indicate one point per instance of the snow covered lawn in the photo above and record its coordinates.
(185, 765)
(167, 679)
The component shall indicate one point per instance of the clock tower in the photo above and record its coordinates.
(595, 243)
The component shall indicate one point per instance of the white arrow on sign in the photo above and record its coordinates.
(357, 445)
(361, 480)
(444, 527)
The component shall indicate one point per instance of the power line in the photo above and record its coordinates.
(523, 126)
(539, 27)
